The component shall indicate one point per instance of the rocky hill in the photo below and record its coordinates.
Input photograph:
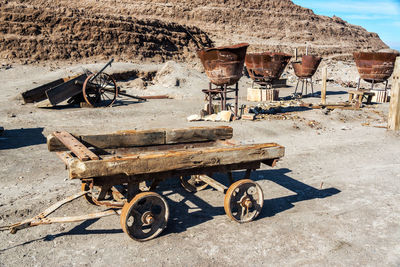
(159, 28)
(40, 32)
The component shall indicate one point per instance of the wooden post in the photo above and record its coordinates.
(394, 108)
(307, 50)
(323, 90)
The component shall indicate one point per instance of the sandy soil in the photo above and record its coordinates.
(332, 200)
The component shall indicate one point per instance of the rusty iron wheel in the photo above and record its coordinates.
(85, 186)
(243, 201)
(145, 216)
(192, 183)
(101, 91)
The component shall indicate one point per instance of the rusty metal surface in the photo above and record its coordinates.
(374, 66)
(266, 67)
(307, 67)
(224, 65)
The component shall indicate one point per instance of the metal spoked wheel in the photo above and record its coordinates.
(192, 183)
(100, 90)
(244, 200)
(145, 216)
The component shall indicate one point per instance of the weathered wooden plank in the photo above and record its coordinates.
(198, 134)
(125, 139)
(174, 160)
(214, 184)
(39, 93)
(66, 90)
(76, 147)
(394, 107)
(323, 89)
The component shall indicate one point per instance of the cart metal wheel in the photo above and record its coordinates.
(100, 91)
(243, 201)
(192, 183)
(145, 216)
(86, 187)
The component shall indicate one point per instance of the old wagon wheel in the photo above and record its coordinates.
(192, 183)
(145, 216)
(100, 91)
(243, 201)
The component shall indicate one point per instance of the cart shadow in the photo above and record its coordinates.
(80, 229)
(190, 210)
(181, 217)
(16, 138)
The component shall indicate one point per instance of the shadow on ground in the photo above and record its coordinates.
(191, 210)
(16, 138)
(183, 216)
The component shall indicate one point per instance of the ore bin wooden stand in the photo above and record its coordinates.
(121, 171)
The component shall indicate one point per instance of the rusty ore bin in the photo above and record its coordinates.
(307, 67)
(223, 65)
(267, 66)
(375, 66)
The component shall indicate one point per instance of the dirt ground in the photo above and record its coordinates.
(332, 200)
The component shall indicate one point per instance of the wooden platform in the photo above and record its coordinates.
(170, 152)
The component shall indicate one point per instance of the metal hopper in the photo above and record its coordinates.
(265, 67)
(224, 67)
(305, 69)
(374, 67)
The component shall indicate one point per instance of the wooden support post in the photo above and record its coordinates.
(394, 108)
(307, 50)
(323, 90)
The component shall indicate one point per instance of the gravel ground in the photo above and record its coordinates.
(332, 200)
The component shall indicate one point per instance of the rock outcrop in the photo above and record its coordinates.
(170, 29)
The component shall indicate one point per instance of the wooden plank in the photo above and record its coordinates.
(161, 176)
(323, 90)
(174, 160)
(39, 93)
(126, 139)
(76, 147)
(65, 90)
(394, 107)
(119, 139)
(214, 184)
(198, 134)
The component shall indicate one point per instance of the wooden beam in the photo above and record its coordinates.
(214, 184)
(394, 108)
(198, 134)
(323, 90)
(76, 147)
(147, 163)
(126, 139)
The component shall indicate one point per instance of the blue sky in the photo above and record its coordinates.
(380, 16)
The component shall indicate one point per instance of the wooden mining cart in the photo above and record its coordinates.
(95, 89)
(121, 171)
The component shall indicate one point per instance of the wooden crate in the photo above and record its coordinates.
(259, 95)
(381, 96)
